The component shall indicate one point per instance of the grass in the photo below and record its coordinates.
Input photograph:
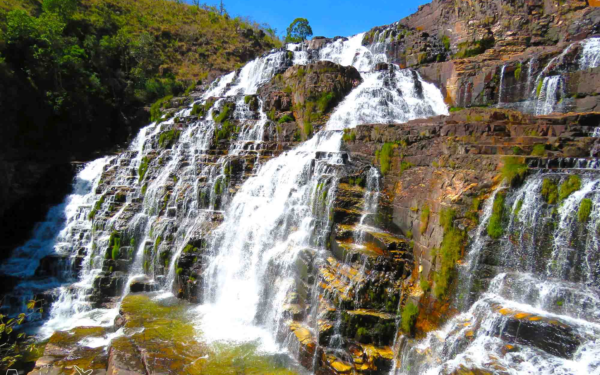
(571, 185)
(308, 129)
(514, 170)
(446, 42)
(585, 209)
(409, 317)
(384, 156)
(549, 191)
(494, 228)
(324, 101)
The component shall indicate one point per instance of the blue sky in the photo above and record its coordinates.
(327, 17)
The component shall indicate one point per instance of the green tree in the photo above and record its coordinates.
(298, 31)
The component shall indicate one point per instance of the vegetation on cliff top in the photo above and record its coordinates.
(73, 65)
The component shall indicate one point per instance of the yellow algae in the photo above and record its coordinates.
(341, 367)
(522, 315)
(470, 334)
(505, 311)
(375, 313)
(535, 319)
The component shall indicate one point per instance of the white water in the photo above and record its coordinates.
(528, 282)
(501, 85)
(590, 57)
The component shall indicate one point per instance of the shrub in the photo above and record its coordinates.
(409, 317)
(514, 170)
(585, 209)
(424, 219)
(495, 229)
(568, 187)
(549, 191)
(539, 150)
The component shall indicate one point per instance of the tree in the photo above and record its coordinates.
(298, 31)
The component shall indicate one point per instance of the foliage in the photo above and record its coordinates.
(409, 316)
(385, 155)
(155, 109)
(16, 347)
(74, 65)
(539, 150)
(549, 191)
(571, 185)
(495, 229)
(298, 31)
(514, 170)
(585, 209)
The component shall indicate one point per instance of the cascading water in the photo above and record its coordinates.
(538, 315)
(170, 189)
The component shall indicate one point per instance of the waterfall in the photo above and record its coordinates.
(501, 84)
(500, 330)
(550, 94)
(590, 57)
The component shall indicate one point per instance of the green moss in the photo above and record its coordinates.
(448, 253)
(539, 150)
(549, 191)
(168, 138)
(409, 317)
(494, 228)
(455, 109)
(446, 42)
(97, 207)
(518, 208)
(538, 90)
(224, 114)
(518, 71)
(385, 155)
(425, 212)
(325, 100)
(225, 132)
(514, 170)
(404, 166)
(286, 118)
(155, 109)
(585, 209)
(571, 185)
(115, 242)
(349, 135)
(424, 284)
(308, 129)
(143, 168)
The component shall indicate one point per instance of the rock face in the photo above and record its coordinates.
(307, 93)
(496, 52)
